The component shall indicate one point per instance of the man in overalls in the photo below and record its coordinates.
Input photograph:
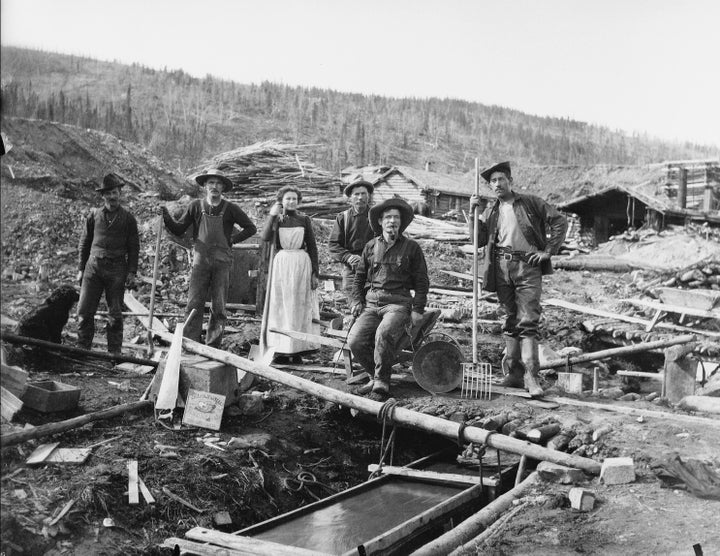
(109, 249)
(352, 231)
(390, 267)
(213, 219)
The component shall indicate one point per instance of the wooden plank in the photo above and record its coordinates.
(41, 453)
(674, 308)
(14, 379)
(453, 478)
(200, 549)
(625, 318)
(247, 545)
(149, 498)
(703, 421)
(314, 338)
(10, 404)
(654, 320)
(133, 493)
(69, 455)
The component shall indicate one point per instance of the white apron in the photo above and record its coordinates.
(293, 303)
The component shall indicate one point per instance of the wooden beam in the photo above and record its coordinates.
(247, 545)
(50, 346)
(615, 352)
(674, 308)
(314, 338)
(12, 438)
(454, 478)
(624, 318)
(638, 412)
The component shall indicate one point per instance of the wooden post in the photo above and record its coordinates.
(682, 187)
(476, 241)
(679, 373)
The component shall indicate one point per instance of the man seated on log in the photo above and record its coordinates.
(514, 229)
(390, 267)
(213, 220)
(352, 231)
(109, 249)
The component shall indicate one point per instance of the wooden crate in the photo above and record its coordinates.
(50, 395)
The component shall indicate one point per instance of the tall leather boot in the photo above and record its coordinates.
(531, 360)
(511, 364)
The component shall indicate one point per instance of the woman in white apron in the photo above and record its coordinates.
(293, 287)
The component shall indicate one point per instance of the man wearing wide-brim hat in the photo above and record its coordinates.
(214, 220)
(352, 230)
(108, 261)
(515, 232)
(391, 267)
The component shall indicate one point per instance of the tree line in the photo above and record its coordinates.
(186, 120)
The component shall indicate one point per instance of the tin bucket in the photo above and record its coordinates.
(437, 367)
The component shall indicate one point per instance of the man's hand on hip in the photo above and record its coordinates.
(356, 309)
(534, 259)
(353, 260)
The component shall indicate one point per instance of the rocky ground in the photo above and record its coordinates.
(293, 448)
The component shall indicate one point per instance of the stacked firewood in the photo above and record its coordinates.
(261, 169)
(704, 274)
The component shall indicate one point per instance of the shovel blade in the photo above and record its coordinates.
(261, 355)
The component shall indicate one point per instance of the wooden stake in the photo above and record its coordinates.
(133, 493)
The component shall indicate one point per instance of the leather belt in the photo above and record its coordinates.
(507, 254)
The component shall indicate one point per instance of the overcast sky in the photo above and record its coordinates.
(650, 66)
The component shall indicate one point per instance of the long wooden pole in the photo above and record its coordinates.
(13, 438)
(475, 267)
(50, 346)
(156, 265)
(462, 535)
(400, 415)
(614, 352)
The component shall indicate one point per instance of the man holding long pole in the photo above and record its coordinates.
(515, 230)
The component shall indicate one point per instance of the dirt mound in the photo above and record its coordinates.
(673, 248)
(67, 154)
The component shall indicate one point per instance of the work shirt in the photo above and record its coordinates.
(233, 215)
(110, 235)
(388, 274)
(350, 234)
(509, 234)
(535, 217)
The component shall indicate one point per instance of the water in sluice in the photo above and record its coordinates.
(350, 522)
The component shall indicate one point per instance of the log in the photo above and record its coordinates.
(540, 434)
(459, 539)
(12, 438)
(50, 346)
(400, 415)
(614, 352)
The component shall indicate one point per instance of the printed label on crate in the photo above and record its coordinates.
(203, 409)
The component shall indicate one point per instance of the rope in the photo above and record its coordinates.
(386, 415)
(461, 434)
(303, 479)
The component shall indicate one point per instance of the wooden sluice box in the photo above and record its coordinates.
(395, 513)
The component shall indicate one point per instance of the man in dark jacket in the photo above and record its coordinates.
(390, 267)
(352, 231)
(515, 230)
(213, 219)
(109, 249)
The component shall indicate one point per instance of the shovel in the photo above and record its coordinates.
(262, 353)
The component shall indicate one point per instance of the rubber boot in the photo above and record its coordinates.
(531, 360)
(511, 364)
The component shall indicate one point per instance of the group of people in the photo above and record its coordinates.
(384, 273)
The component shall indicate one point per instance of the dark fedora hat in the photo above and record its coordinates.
(110, 182)
(214, 173)
(503, 167)
(357, 183)
(406, 213)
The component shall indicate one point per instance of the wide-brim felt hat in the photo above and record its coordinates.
(348, 189)
(214, 173)
(499, 167)
(110, 182)
(406, 214)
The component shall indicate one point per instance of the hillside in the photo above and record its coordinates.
(185, 120)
